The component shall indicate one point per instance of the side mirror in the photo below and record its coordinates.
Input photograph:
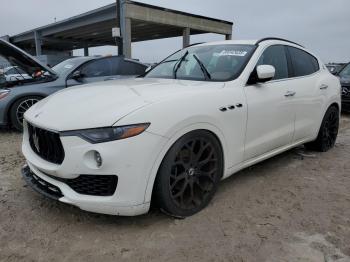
(265, 73)
(77, 75)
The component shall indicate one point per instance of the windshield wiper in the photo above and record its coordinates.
(203, 68)
(177, 66)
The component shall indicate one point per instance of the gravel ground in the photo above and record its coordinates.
(294, 207)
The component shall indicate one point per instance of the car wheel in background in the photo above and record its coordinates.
(189, 174)
(19, 108)
(328, 132)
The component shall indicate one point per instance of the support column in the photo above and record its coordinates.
(127, 38)
(186, 39)
(228, 37)
(124, 45)
(86, 51)
(37, 39)
(120, 22)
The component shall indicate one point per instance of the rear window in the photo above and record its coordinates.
(303, 63)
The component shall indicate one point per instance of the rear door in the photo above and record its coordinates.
(310, 90)
(270, 107)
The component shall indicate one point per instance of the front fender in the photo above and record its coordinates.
(176, 134)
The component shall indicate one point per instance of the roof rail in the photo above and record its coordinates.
(194, 44)
(276, 38)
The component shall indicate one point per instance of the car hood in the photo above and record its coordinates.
(103, 104)
(18, 57)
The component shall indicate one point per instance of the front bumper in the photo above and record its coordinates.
(131, 160)
(40, 185)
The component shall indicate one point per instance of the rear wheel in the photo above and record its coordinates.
(19, 108)
(328, 132)
(189, 174)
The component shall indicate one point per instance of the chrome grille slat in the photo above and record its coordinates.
(46, 144)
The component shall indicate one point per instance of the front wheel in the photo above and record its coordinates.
(19, 108)
(189, 174)
(328, 132)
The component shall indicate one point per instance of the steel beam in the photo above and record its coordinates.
(159, 16)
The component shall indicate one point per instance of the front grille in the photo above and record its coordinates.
(93, 185)
(46, 144)
(346, 91)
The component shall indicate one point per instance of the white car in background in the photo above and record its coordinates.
(15, 73)
(169, 137)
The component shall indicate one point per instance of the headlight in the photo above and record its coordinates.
(4, 93)
(106, 134)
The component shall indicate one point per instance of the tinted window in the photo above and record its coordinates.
(131, 68)
(276, 56)
(98, 68)
(303, 63)
(67, 66)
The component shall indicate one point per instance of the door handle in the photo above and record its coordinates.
(290, 94)
(323, 86)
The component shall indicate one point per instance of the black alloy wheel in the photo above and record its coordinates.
(189, 174)
(328, 133)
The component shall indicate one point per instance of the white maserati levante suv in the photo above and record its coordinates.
(170, 136)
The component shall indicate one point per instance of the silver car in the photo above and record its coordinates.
(34, 81)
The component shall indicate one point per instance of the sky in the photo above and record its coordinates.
(323, 26)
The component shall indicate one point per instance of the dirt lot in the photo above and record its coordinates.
(294, 207)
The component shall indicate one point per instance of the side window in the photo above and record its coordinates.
(98, 68)
(130, 68)
(276, 56)
(303, 63)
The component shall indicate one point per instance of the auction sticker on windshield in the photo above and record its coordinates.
(231, 53)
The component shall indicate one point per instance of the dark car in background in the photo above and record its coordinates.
(335, 68)
(344, 76)
(36, 81)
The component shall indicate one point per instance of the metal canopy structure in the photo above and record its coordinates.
(140, 22)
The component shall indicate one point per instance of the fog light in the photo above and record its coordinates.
(98, 159)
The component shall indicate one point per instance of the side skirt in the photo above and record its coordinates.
(232, 170)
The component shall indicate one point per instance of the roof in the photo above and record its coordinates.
(94, 28)
(231, 42)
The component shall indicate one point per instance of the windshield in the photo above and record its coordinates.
(17, 68)
(204, 63)
(65, 66)
(345, 72)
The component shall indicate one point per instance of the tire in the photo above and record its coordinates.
(19, 108)
(328, 132)
(189, 174)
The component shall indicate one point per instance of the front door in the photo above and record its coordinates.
(271, 113)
